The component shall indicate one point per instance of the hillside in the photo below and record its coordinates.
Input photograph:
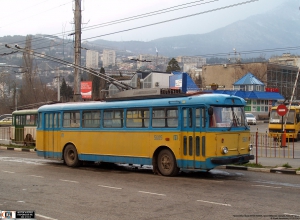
(278, 28)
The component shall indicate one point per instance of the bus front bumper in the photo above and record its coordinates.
(232, 160)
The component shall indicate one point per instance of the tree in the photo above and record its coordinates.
(95, 87)
(102, 85)
(173, 66)
(66, 91)
(31, 90)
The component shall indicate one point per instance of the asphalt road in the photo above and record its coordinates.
(55, 191)
(260, 127)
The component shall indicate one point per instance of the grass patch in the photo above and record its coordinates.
(253, 165)
(286, 165)
(298, 169)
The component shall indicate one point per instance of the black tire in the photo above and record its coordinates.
(166, 163)
(71, 156)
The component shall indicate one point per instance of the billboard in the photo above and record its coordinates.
(86, 89)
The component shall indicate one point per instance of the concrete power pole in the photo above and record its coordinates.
(58, 85)
(77, 54)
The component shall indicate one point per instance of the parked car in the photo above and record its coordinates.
(6, 121)
(251, 119)
(5, 116)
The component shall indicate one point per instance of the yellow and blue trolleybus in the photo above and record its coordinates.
(196, 132)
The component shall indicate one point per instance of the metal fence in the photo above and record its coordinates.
(5, 133)
(267, 146)
(24, 136)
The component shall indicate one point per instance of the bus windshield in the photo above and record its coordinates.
(227, 117)
(275, 118)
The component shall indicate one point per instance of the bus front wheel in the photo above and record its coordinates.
(71, 156)
(166, 163)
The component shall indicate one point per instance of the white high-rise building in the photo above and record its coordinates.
(109, 58)
(92, 59)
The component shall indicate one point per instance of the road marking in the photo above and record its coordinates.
(46, 217)
(36, 176)
(215, 181)
(7, 171)
(292, 214)
(25, 160)
(216, 203)
(71, 181)
(152, 193)
(278, 183)
(111, 187)
(276, 187)
(21, 201)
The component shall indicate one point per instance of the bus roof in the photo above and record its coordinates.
(204, 99)
(25, 111)
(292, 107)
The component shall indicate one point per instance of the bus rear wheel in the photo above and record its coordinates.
(166, 163)
(71, 156)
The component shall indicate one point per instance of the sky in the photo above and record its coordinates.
(56, 17)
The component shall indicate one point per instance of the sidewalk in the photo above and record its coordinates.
(271, 165)
(273, 162)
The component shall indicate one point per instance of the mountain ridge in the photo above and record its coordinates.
(277, 28)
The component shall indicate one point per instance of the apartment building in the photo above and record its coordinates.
(153, 59)
(109, 58)
(92, 59)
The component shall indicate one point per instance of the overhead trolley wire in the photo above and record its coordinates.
(35, 14)
(208, 11)
(162, 11)
(174, 19)
(134, 18)
(118, 84)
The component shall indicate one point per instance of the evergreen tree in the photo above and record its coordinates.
(66, 91)
(95, 87)
(102, 85)
(173, 66)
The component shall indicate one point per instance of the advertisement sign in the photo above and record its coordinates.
(86, 89)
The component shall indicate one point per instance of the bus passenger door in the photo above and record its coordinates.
(199, 134)
(48, 135)
(56, 134)
(51, 135)
(188, 138)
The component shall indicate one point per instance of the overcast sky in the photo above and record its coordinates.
(55, 17)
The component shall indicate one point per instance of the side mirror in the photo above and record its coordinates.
(210, 111)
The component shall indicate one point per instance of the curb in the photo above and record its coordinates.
(281, 170)
(17, 149)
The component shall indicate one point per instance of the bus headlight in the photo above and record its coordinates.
(250, 147)
(224, 150)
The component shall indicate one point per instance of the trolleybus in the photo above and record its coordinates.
(194, 132)
(23, 129)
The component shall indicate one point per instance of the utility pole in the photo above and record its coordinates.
(58, 84)
(156, 58)
(77, 54)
